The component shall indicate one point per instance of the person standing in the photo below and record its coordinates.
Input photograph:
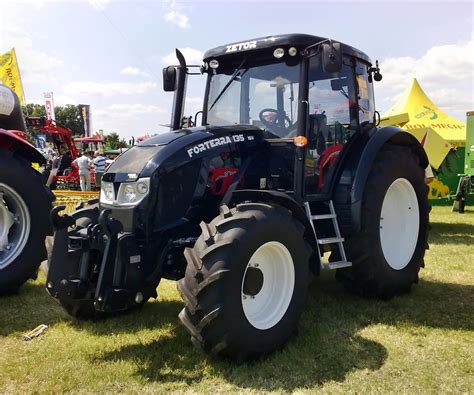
(99, 165)
(83, 164)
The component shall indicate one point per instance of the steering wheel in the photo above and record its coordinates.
(273, 124)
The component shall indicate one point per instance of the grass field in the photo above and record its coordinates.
(419, 343)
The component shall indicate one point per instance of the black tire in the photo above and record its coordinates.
(214, 313)
(17, 174)
(371, 274)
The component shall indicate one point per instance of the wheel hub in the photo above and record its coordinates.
(253, 281)
(6, 222)
(15, 223)
(267, 285)
(399, 224)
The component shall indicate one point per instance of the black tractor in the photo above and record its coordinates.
(286, 176)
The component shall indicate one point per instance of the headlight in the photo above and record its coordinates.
(142, 187)
(132, 193)
(129, 193)
(107, 193)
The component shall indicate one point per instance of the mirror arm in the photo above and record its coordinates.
(308, 53)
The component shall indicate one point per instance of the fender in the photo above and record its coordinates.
(385, 135)
(288, 202)
(11, 142)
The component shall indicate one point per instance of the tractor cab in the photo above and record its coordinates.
(302, 91)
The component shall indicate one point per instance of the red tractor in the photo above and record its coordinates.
(25, 201)
(65, 175)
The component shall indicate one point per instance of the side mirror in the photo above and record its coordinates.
(332, 57)
(169, 79)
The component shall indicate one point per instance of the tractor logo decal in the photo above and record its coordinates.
(217, 142)
(426, 112)
(241, 46)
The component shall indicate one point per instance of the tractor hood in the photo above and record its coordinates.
(165, 152)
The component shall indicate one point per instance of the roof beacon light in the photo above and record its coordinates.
(213, 64)
(278, 53)
(292, 51)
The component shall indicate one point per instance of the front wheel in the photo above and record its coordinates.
(246, 281)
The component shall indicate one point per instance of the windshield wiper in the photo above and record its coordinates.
(234, 76)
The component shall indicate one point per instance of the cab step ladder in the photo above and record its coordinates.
(329, 240)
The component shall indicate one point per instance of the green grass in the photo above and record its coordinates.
(419, 343)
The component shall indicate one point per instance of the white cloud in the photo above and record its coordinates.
(135, 71)
(174, 13)
(99, 4)
(192, 106)
(108, 88)
(36, 67)
(193, 56)
(445, 73)
(127, 111)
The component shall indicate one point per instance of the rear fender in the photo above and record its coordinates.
(11, 142)
(386, 135)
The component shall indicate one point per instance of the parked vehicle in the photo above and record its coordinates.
(287, 165)
(66, 177)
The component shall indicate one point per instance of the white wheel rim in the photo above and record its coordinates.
(399, 224)
(266, 308)
(15, 223)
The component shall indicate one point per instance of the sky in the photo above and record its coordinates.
(110, 53)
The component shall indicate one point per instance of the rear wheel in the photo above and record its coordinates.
(246, 281)
(25, 204)
(388, 252)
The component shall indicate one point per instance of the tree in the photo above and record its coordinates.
(113, 141)
(70, 117)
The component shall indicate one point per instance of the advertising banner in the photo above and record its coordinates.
(85, 110)
(49, 105)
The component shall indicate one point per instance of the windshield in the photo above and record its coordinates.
(265, 96)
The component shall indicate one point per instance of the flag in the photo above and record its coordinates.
(49, 105)
(10, 74)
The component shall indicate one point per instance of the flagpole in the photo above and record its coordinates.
(19, 73)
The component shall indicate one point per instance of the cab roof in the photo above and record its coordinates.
(299, 41)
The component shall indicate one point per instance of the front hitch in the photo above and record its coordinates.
(68, 253)
(93, 261)
(58, 268)
(60, 221)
